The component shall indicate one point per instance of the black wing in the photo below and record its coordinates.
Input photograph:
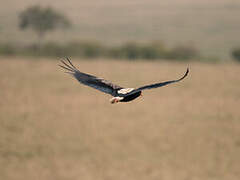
(89, 80)
(157, 85)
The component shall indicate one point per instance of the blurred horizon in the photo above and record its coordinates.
(212, 27)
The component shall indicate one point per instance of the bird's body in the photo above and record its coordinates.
(119, 93)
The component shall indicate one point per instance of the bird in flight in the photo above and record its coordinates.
(119, 93)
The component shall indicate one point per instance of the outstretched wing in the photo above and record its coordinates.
(90, 80)
(157, 85)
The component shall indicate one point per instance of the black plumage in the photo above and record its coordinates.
(119, 93)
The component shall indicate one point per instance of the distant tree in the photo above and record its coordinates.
(183, 52)
(42, 20)
(236, 54)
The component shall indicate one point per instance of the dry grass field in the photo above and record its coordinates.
(53, 128)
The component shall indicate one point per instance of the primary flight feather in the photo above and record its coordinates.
(119, 93)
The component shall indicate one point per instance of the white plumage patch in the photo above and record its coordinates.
(125, 91)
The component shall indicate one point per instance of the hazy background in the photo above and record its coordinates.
(210, 26)
(51, 127)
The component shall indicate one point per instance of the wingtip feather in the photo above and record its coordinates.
(187, 71)
(66, 68)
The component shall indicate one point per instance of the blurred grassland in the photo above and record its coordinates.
(53, 128)
(211, 26)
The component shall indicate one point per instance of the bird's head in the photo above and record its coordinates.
(115, 100)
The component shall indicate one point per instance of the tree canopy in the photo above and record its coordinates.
(42, 20)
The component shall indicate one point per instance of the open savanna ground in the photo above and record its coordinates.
(211, 26)
(53, 128)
